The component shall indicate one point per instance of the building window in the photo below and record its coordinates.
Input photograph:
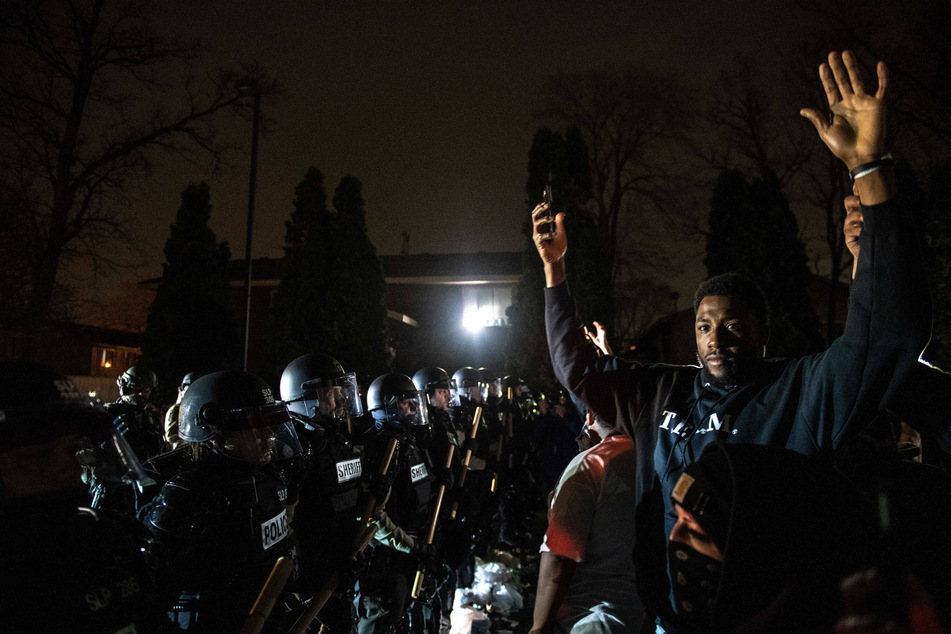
(113, 360)
(485, 306)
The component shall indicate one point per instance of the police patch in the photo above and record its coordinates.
(418, 472)
(274, 530)
(348, 470)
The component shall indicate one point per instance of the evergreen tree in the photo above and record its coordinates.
(753, 232)
(564, 160)
(296, 322)
(356, 288)
(191, 327)
(330, 298)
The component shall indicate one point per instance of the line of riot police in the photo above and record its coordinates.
(304, 510)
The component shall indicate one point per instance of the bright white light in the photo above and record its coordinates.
(471, 320)
(486, 315)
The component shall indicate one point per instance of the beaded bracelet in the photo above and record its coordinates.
(867, 168)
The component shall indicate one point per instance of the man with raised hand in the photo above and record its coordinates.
(813, 404)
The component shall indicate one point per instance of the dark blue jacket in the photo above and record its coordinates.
(812, 405)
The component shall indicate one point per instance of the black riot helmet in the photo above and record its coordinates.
(48, 431)
(519, 389)
(236, 411)
(135, 380)
(394, 398)
(493, 382)
(429, 379)
(315, 387)
(468, 386)
(188, 379)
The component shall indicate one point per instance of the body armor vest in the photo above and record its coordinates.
(325, 520)
(409, 503)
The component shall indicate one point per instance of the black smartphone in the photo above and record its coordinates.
(549, 226)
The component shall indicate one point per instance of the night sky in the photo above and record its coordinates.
(429, 104)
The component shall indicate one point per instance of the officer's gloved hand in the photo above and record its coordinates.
(379, 486)
(425, 554)
(445, 477)
(470, 444)
(127, 424)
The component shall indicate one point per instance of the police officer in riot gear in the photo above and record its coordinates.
(171, 416)
(457, 539)
(65, 568)
(437, 385)
(520, 462)
(140, 422)
(399, 547)
(471, 390)
(322, 399)
(218, 528)
(494, 385)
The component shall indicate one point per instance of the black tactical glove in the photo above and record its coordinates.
(470, 444)
(445, 477)
(127, 424)
(379, 486)
(424, 553)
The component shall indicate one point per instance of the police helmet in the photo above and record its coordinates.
(493, 381)
(468, 385)
(188, 379)
(519, 389)
(135, 380)
(431, 378)
(237, 411)
(315, 386)
(45, 422)
(394, 398)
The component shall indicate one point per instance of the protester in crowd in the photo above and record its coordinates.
(585, 575)
(813, 404)
(764, 536)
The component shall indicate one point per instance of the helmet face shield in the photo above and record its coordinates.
(338, 397)
(260, 434)
(109, 451)
(469, 391)
(408, 408)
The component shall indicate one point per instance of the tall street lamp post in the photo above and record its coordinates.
(250, 88)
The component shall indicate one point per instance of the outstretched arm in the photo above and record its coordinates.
(888, 321)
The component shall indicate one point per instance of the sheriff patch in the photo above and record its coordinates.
(274, 530)
(418, 472)
(348, 470)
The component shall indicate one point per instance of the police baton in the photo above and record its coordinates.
(268, 596)
(505, 431)
(468, 457)
(440, 492)
(362, 537)
(508, 425)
